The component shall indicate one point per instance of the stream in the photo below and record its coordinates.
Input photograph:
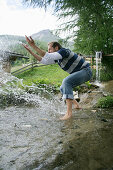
(31, 138)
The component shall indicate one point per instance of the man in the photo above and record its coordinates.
(70, 62)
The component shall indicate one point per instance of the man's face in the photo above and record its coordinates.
(51, 49)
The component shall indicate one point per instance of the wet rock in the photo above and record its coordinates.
(104, 120)
(89, 91)
(94, 111)
(70, 146)
(60, 142)
(89, 100)
(94, 86)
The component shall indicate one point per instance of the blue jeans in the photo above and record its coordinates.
(74, 80)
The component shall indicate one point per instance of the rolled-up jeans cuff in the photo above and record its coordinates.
(67, 96)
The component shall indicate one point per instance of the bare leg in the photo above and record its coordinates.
(69, 110)
(76, 105)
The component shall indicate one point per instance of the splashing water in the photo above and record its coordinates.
(14, 92)
(11, 93)
(6, 42)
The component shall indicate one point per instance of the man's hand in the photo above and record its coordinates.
(30, 41)
(27, 47)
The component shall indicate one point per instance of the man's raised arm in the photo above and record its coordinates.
(33, 45)
(31, 52)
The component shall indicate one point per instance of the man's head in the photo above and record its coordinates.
(53, 47)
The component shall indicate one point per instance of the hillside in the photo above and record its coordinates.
(6, 41)
(48, 36)
(45, 35)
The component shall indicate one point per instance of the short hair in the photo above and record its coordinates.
(55, 44)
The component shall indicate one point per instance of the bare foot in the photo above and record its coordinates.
(77, 107)
(66, 116)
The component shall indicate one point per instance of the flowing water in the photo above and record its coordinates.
(33, 138)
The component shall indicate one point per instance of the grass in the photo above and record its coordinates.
(49, 74)
(105, 102)
(15, 68)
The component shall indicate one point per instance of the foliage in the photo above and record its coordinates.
(95, 33)
(88, 84)
(105, 75)
(108, 63)
(105, 102)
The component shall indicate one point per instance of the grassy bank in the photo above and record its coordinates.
(50, 75)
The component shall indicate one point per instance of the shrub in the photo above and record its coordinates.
(105, 102)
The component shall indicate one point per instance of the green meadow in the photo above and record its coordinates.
(49, 75)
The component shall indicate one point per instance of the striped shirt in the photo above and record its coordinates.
(66, 59)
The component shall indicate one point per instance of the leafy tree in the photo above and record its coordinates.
(95, 33)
